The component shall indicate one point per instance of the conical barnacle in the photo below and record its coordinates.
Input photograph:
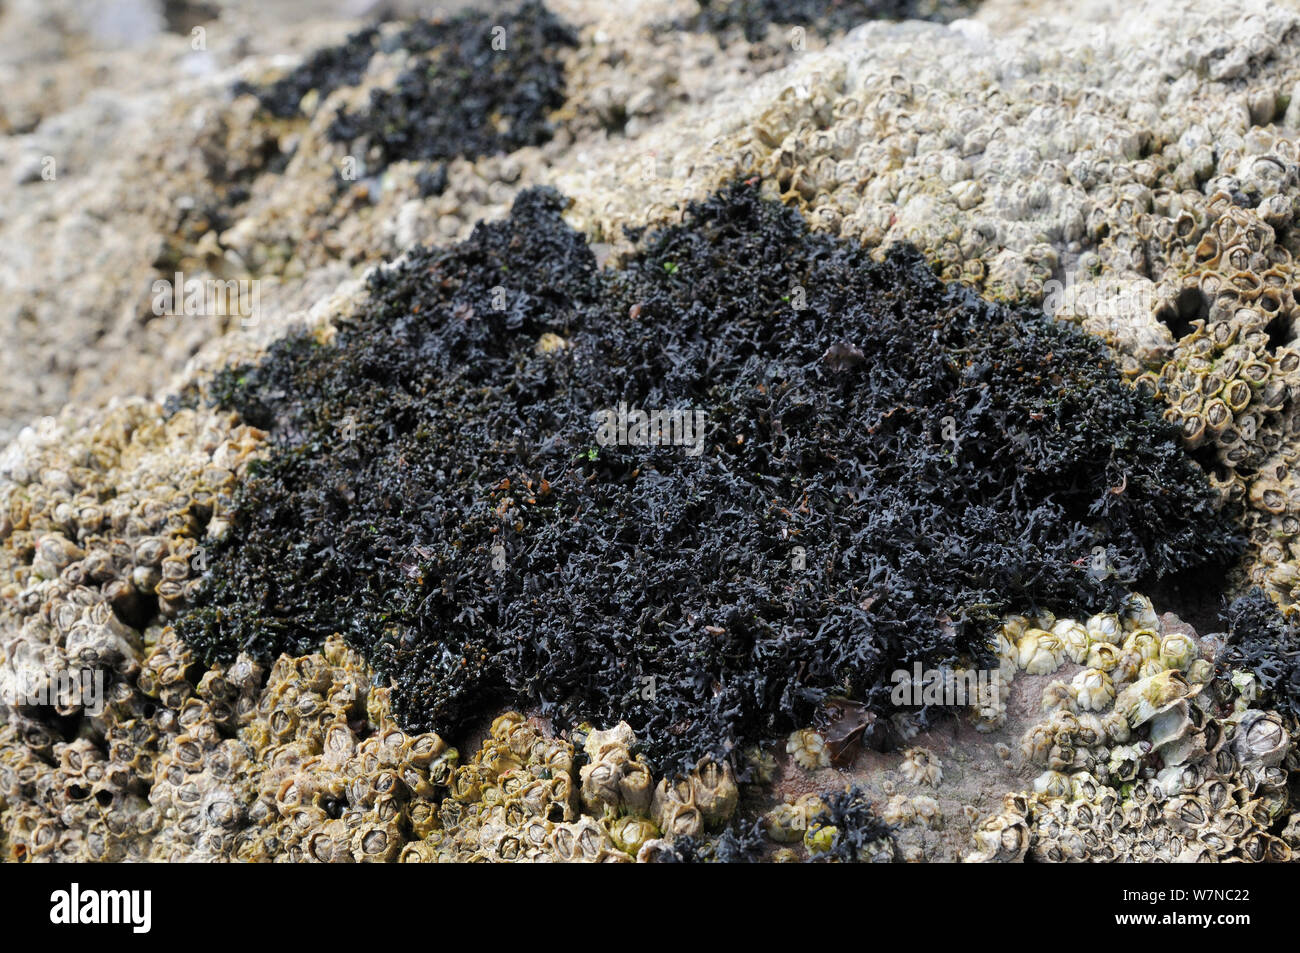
(1053, 784)
(1093, 689)
(714, 791)
(928, 813)
(1147, 697)
(1003, 838)
(631, 832)
(1036, 743)
(1260, 738)
(785, 823)
(1137, 612)
(1059, 695)
(1074, 639)
(674, 810)
(920, 766)
(1103, 656)
(809, 749)
(1105, 627)
(1039, 652)
(1178, 650)
(819, 837)
(1144, 643)
(900, 811)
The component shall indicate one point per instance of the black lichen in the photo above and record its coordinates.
(325, 70)
(742, 842)
(751, 18)
(857, 833)
(479, 83)
(887, 464)
(1264, 642)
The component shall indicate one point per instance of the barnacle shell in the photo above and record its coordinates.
(1147, 697)
(1052, 784)
(1105, 627)
(1260, 739)
(1074, 640)
(920, 766)
(1144, 643)
(1039, 652)
(1104, 656)
(1094, 689)
(809, 749)
(1060, 695)
(1136, 612)
(1178, 650)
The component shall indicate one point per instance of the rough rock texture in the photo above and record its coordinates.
(1140, 177)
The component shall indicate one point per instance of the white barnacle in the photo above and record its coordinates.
(1103, 656)
(1074, 639)
(899, 811)
(920, 766)
(1144, 643)
(927, 811)
(1178, 650)
(808, 749)
(1040, 652)
(1060, 695)
(1094, 689)
(1052, 784)
(1105, 627)
(1137, 612)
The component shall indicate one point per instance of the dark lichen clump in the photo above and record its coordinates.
(751, 18)
(888, 464)
(327, 69)
(478, 84)
(1262, 641)
(856, 831)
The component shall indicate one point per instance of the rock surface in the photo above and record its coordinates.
(1134, 167)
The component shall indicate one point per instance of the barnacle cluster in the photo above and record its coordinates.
(1232, 380)
(1175, 765)
(103, 527)
(437, 480)
(304, 762)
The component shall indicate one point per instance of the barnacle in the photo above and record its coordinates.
(920, 766)
(1060, 695)
(1039, 652)
(1136, 612)
(1094, 689)
(1105, 627)
(1103, 656)
(1074, 640)
(1178, 650)
(1144, 643)
(809, 749)
(1146, 697)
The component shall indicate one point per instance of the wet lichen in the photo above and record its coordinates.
(1262, 641)
(888, 464)
(478, 83)
(325, 70)
(751, 18)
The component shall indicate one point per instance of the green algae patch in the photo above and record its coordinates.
(461, 485)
